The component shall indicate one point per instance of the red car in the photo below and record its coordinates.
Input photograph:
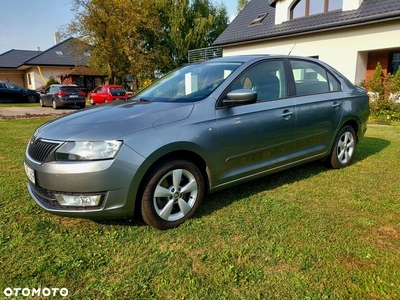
(108, 93)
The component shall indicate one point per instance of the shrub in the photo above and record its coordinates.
(51, 81)
(384, 91)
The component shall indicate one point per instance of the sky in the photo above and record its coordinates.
(27, 24)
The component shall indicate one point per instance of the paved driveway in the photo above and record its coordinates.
(28, 112)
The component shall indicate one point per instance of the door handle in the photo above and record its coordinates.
(336, 104)
(287, 114)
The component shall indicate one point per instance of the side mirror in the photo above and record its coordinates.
(240, 97)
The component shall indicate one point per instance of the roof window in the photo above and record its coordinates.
(59, 52)
(259, 19)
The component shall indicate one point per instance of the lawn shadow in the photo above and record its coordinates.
(214, 201)
(369, 146)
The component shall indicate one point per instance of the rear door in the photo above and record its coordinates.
(318, 107)
(257, 137)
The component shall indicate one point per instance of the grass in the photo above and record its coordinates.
(306, 233)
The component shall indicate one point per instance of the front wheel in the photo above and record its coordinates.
(344, 148)
(172, 193)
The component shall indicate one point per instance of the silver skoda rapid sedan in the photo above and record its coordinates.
(199, 129)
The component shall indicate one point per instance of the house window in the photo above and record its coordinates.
(305, 8)
(29, 79)
(395, 62)
(59, 52)
(258, 20)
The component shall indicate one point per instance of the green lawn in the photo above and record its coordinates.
(306, 233)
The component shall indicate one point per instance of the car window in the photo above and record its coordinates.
(266, 78)
(311, 78)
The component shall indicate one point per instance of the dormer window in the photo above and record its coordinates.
(305, 8)
(258, 20)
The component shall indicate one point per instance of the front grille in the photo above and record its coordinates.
(39, 150)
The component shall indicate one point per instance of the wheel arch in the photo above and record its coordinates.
(188, 155)
(354, 124)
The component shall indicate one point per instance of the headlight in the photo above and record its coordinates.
(88, 150)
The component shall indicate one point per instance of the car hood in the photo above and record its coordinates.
(113, 121)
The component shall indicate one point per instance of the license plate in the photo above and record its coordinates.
(30, 173)
(73, 96)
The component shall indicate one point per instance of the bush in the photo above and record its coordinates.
(51, 81)
(384, 91)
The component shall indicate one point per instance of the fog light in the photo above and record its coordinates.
(78, 200)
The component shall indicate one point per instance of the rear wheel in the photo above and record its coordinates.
(55, 106)
(91, 101)
(172, 194)
(32, 99)
(344, 148)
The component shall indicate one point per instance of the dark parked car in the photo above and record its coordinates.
(201, 128)
(107, 93)
(10, 92)
(58, 95)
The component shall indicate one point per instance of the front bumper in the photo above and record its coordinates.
(112, 179)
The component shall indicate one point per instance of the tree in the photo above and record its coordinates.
(242, 4)
(143, 38)
(190, 25)
(121, 36)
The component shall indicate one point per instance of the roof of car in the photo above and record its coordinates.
(111, 86)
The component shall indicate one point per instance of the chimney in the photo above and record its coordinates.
(57, 38)
(38, 48)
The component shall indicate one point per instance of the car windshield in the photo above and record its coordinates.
(117, 91)
(13, 86)
(70, 89)
(190, 83)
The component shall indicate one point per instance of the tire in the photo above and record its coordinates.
(41, 103)
(55, 106)
(344, 148)
(172, 194)
(32, 99)
(82, 105)
(92, 102)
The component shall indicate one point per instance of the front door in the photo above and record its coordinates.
(256, 137)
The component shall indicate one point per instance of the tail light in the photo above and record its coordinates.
(83, 94)
(60, 94)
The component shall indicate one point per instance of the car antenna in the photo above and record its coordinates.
(292, 48)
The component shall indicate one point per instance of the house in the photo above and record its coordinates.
(351, 35)
(32, 69)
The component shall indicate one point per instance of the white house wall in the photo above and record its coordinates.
(344, 49)
(40, 76)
